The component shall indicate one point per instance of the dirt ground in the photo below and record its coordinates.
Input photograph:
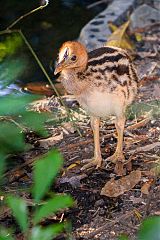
(95, 216)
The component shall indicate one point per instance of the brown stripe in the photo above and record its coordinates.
(116, 79)
(124, 93)
(120, 69)
(110, 58)
(134, 73)
(100, 51)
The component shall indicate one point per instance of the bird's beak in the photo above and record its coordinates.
(59, 67)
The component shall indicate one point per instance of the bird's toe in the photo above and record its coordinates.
(91, 163)
(117, 156)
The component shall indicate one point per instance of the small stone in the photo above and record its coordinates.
(143, 16)
(99, 203)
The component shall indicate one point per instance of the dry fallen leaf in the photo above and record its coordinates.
(48, 142)
(71, 166)
(115, 188)
(74, 181)
(68, 127)
(146, 186)
(119, 37)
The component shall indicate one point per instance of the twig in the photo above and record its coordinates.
(108, 224)
(31, 161)
(40, 65)
(26, 15)
(96, 3)
(139, 124)
(50, 81)
(2, 118)
(8, 30)
(145, 148)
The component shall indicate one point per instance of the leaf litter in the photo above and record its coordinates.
(115, 188)
(116, 200)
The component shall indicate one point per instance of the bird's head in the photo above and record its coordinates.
(72, 56)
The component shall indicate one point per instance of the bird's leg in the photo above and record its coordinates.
(118, 155)
(97, 160)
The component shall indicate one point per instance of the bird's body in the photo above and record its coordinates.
(104, 80)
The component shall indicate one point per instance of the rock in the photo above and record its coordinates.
(144, 15)
(96, 32)
(157, 4)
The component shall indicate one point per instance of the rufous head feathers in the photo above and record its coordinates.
(73, 56)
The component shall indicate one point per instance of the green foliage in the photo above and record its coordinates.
(11, 69)
(43, 177)
(35, 121)
(15, 105)
(8, 133)
(123, 237)
(151, 108)
(11, 66)
(47, 233)
(10, 45)
(15, 121)
(20, 211)
(2, 164)
(52, 206)
(48, 167)
(5, 234)
(150, 229)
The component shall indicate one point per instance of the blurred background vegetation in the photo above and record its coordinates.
(46, 30)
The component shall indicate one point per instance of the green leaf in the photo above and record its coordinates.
(10, 45)
(45, 171)
(11, 138)
(11, 69)
(12, 105)
(35, 121)
(47, 233)
(20, 212)
(150, 229)
(123, 237)
(59, 202)
(5, 234)
(2, 164)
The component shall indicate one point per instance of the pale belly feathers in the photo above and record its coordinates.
(101, 104)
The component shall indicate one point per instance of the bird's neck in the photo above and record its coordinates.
(71, 81)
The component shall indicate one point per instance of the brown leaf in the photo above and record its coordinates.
(39, 88)
(74, 181)
(48, 142)
(115, 188)
(146, 186)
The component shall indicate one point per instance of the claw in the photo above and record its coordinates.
(117, 156)
(92, 163)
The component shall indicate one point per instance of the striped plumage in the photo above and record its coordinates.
(104, 81)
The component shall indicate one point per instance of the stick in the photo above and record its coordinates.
(108, 224)
(145, 148)
(26, 15)
(139, 124)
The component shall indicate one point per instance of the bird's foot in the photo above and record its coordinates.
(117, 157)
(95, 162)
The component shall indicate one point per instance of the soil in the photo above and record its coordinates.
(95, 216)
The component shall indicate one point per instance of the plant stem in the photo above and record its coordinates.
(8, 30)
(25, 15)
(49, 79)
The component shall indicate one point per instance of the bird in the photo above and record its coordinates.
(104, 81)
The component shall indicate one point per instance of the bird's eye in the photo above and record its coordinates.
(73, 58)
